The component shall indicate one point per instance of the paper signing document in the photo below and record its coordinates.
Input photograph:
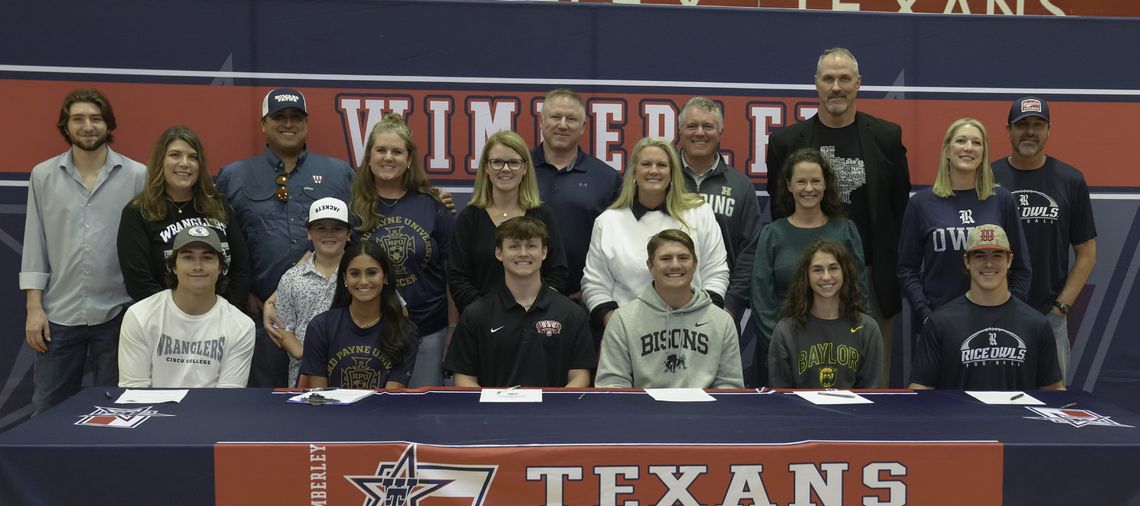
(510, 395)
(829, 397)
(1018, 398)
(679, 395)
(151, 396)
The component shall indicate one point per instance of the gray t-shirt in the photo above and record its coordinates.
(826, 354)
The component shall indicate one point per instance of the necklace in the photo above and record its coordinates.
(386, 204)
(363, 325)
(181, 207)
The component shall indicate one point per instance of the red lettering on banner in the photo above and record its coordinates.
(813, 473)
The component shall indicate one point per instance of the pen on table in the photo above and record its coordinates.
(1016, 397)
(508, 391)
(837, 394)
(1069, 405)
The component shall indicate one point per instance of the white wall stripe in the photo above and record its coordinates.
(292, 76)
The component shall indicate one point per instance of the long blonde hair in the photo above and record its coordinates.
(677, 197)
(365, 203)
(984, 181)
(481, 196)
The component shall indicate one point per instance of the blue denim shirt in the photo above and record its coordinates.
(275, 230)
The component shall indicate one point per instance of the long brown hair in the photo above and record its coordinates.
(800, 295)
(152, 200)
(365, 203)
(395, 328)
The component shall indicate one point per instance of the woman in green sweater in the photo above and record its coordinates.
(813, 212)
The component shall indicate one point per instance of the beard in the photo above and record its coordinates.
(87, 145)
(836, 107)
(1028, 149)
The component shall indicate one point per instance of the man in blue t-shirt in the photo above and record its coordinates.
(1056, 214)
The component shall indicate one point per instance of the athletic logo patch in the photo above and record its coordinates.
(406, 482)
(119, 418)
(1074, 417)
(548, 327)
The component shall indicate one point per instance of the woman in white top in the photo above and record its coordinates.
(615, 270)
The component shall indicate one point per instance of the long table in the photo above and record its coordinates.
(444, 447)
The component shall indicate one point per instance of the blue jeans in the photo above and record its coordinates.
(429, 361)
(59, 371)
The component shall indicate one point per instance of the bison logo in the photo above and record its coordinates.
(674, 362)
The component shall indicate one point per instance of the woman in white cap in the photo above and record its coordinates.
(179, 193)
(395, 206)
(306, 289)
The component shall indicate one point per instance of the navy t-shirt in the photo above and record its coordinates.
(349, 356)
(1055, 211)
(415, 232)
(972, 347)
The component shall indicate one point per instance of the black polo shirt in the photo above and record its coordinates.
(505, 345)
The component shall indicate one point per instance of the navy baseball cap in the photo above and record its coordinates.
(283, 98)
(1025, 107)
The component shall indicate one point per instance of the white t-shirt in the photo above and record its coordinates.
(161, 346)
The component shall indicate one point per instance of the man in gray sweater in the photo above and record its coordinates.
(671, 336)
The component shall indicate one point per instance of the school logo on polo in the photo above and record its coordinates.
(407, 482)
(119, 418)
(548, 327)
(1074, 417)
(1036, 207)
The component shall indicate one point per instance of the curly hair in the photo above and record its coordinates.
(829, 201)
(800, 295)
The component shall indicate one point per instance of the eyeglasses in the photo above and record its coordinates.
(282, 190)
(502, 164)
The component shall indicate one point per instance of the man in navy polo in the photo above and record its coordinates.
(522, 333)
(271, 194)
(576, 185)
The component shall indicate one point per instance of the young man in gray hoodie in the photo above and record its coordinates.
(671, 336)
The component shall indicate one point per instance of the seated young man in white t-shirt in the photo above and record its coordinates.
(187, 336)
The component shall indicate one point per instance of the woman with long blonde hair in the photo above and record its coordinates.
(505, 187)
(938, 219)
(653, 198)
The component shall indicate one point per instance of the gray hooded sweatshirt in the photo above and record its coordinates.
(648, 344)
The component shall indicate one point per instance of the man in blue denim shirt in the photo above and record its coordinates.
(271, 194)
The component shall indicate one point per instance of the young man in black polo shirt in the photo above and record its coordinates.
(524, 332)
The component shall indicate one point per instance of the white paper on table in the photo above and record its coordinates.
(151, 396)
(1022, 398)
(830, 397)
(336, 396)
(679, 395)
(511, 395)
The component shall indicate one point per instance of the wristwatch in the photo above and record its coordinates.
(1064, 308)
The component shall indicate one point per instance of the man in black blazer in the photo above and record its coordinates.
(869, 160)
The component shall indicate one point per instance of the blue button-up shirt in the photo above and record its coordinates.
(69, 238)
(275, 231)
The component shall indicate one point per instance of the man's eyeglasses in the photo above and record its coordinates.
(282, 190)
(497, 164)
